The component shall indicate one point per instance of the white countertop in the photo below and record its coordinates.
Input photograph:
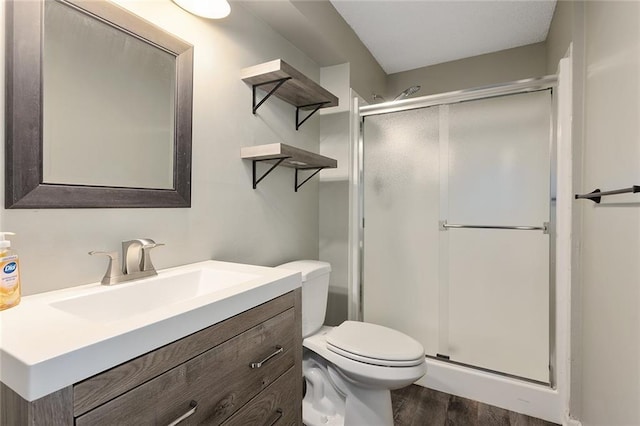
(44, 348)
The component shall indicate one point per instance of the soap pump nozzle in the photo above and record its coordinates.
(4, 243)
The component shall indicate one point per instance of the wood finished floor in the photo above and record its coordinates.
(418, 406)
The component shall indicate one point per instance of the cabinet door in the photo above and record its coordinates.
(219, 381)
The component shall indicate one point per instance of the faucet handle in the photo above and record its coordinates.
(113, 269)
(152, 245)
(132, 255)
(145, 263)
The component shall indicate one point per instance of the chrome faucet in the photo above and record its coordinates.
(137, 261)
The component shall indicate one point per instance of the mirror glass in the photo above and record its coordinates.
(120, 135)
(98, 108)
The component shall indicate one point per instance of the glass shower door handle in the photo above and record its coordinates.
(444, 226)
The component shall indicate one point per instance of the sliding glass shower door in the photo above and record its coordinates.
(456, 218)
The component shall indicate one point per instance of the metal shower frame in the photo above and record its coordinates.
(356, 235)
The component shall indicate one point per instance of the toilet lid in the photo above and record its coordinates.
(374, 344)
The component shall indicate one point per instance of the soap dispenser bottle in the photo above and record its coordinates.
(9, 274)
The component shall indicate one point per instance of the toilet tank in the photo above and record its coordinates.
(315, 289)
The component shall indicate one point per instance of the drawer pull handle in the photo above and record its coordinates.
(277, 418)
(279, 350)
(193, 407)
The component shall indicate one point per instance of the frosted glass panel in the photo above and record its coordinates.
(499, 160)
(401, 223)
(499, 280)
(498, 301)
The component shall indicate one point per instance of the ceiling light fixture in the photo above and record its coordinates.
(212, 9)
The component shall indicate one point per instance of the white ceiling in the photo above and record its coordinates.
(404, 35)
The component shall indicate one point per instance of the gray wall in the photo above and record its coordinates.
(498, 67)
(334, 212)
(605, 340)
(560, 34)
(610, 344)
(228, 220)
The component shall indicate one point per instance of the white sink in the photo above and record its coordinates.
(53, 340)
(121, 301)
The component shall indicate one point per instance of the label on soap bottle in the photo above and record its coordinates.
(9, 277)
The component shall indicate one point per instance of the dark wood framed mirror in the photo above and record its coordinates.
(75, 147)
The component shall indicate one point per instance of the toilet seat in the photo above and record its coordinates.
(365, 373)
(374, 344)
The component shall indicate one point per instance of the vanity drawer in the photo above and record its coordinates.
(220, 381)
(103, 387)
(275, 406)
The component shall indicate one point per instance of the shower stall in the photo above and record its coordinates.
(454, 236)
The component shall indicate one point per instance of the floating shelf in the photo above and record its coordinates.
(285, 82)
(279, 154)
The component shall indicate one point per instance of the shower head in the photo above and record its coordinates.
(407, 92)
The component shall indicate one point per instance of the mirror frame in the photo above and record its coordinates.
(24, 186)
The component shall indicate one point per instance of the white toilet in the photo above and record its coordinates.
(350, 369)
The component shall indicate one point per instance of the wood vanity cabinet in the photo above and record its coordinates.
(246, 370)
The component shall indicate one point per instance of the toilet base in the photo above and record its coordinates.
(334, 400)
(323, 404)
(358, 411)
(369, 408)
(313, 417)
